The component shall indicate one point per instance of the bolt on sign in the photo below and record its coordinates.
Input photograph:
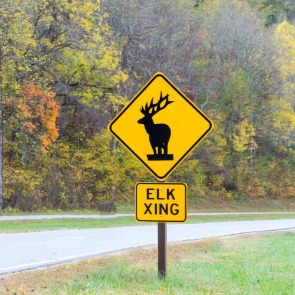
(161, 202)
(160, 126)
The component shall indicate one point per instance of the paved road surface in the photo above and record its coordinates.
(63, 216)
(31, 250)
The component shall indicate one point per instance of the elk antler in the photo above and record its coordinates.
(154, 108)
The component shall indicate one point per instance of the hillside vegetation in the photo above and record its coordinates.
(67, 67)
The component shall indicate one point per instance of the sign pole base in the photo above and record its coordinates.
(162, 250)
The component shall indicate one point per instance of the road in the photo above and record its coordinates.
(64, 216)
(24, 251)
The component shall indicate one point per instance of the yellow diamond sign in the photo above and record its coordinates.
(160, 126)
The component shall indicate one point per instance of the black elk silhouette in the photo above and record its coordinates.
(159, 134)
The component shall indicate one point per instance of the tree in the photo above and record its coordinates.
(246, 50)
(65, 46)
(236, 68)
(32, 117)
(14, 40)
(154, 36)
(284, 108)
(274, 11)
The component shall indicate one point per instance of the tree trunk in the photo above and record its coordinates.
(1, 149)
(1, 136)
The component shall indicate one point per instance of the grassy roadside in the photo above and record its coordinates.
(58, 224)
(208, 204)
(251, 264)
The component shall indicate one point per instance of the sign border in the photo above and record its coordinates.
(211, 125)
(163, 183)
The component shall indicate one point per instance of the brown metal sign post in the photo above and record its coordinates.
(162, 250)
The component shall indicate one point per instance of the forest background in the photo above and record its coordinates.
(67, 67)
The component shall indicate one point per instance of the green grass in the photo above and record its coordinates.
(57, 224)
(263, 264)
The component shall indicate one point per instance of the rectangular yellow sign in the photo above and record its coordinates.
(161, 202)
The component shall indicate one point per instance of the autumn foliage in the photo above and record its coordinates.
(68, 67)
(39, 112)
